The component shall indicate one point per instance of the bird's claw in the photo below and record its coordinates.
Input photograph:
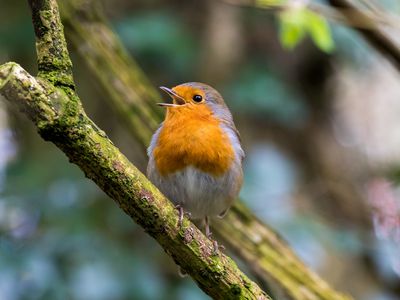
(181, 214)
(217, 247)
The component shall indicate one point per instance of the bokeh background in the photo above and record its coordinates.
(320, 127)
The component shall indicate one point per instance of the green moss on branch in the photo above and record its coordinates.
(89, 148)
(52, 104)
(54, 63)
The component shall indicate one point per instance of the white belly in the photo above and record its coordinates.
(199, 193)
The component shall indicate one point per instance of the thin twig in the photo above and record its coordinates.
(378, 38)
(366, 21)
(341, 16)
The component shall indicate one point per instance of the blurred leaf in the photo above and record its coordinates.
(292, 27)
(269, 3)
(320, 32)
(296, 23)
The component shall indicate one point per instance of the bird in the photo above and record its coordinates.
(195, 155)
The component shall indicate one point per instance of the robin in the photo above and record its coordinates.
(195, 156)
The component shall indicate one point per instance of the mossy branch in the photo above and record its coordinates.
(270, 258)
(89, 148)
(52, 104)
(53, 59)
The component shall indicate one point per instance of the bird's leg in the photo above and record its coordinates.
(181, 213)
(209, 234)
(179, 207)
(207, 225)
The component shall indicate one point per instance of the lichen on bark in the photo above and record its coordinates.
(89, 148)
(54, 62)
(51, 102)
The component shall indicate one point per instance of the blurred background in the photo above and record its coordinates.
(318, 114)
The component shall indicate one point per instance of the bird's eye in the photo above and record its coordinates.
(197, 98)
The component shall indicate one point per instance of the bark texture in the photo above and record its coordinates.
(53, 106)
(89, 148)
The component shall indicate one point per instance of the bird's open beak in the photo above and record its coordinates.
(175, 97)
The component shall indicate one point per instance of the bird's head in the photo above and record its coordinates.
(194, 95)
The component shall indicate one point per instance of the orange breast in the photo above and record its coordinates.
(192, 136)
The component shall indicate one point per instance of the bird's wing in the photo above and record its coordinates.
(232, 127)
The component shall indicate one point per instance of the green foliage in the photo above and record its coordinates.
(319, 31)
(292, 27)
(269, 3)
(297, 23)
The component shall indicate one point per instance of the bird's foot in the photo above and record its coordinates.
(216, 246)
(207, 227)
(182, 213)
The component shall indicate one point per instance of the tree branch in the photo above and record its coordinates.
(89, 148)
(365, 21)
(372, 33)
(53, 59)
(271, 258)
(56, 111)
(259, 246)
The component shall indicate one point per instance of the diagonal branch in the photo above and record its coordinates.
(53, 106)
(256, 244)
(89, 148)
